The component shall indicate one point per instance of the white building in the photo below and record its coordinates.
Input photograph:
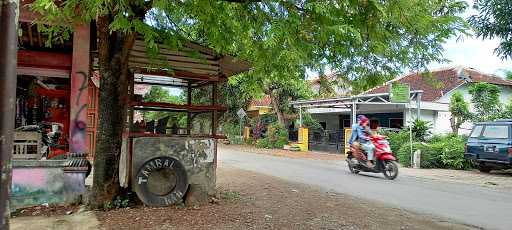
(430, 96)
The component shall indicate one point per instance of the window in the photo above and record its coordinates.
(346, 123)
(324, 125)
(374, 124)
(495, 131)
(396, 123)
(477, 130)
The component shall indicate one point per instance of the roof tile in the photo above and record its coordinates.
(440, 82)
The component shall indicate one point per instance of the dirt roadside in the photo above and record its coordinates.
(247, 200)
(254, 201)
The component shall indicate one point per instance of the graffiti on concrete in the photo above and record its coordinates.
(201, 150)
(37, 185)
(79, 116)
(196, 154)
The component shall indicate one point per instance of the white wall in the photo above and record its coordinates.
(505, 96)
(442, 123)
(440, 120)
(331, 120)
(426, 115)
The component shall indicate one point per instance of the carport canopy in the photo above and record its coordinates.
(352, 103)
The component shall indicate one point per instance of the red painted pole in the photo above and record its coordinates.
(8, 48)
(79, 90)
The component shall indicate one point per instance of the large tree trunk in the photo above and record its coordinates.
(113, 63)
(275, 106)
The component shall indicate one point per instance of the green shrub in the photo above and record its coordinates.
(249, 141)
(397, 139)
(276, 137)
(235, 140)
(429, 157)
(441, 151)
(421, 129)
(451, 151)
(231, 128)
(232, 132)
(309, 122)
(263, 143)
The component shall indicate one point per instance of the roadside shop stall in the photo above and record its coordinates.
(170, 145)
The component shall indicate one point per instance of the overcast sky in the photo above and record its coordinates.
(473, 52)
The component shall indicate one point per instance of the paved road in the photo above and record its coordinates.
(468, 204)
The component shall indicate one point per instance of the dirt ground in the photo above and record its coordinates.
(246, 200)
(497, 179)
(249, 200)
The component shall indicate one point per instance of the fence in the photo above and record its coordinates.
(326, 140)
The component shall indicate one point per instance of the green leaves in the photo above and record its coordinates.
(486, 100)
(493, 21)
(459, 110)
(366, 42)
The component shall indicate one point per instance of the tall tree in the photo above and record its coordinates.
(326, 87)
(486, 100)
(367, 40)
(161, 94)
(459, 110)
(493, 21)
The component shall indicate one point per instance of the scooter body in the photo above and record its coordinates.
(385, 162)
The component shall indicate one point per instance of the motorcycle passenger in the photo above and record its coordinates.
(364, 134)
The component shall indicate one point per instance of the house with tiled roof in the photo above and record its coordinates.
(259, 106)
(439, 85)
(431, 92)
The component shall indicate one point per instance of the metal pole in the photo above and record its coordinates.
(354, 112)
(418, 106)
(8, 49)
(300, 116)
(410, 136)
(241, 120)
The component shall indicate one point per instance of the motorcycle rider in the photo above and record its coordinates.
(353, 136)
(361, 132)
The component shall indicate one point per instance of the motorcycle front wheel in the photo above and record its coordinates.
(390, 170)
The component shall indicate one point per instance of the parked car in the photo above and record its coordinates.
(490, 145)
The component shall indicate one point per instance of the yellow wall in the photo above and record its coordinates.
(348, 132)
(303, 141)
(261, 110)
(247, 133)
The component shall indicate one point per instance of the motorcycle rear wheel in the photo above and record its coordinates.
(390, 170)
(351, 168)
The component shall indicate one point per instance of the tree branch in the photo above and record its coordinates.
(179, 29)
(242, 1)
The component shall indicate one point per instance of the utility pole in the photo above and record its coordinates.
(8, 53)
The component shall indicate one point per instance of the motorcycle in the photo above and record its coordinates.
(51, 138)
(385, 162)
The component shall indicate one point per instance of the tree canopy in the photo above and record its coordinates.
(366, 41)
(493, 21)
(459, 110)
